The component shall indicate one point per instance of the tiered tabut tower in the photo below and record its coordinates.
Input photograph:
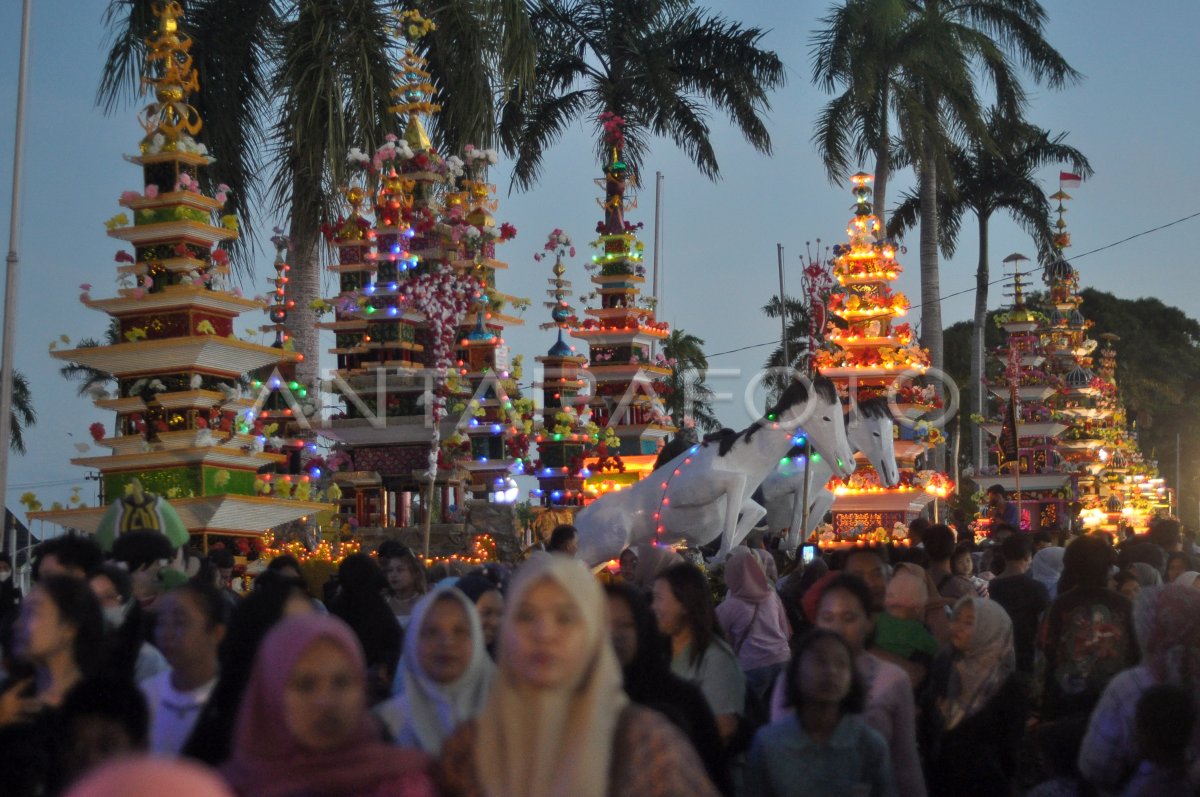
(620, 334)
(870, 356)
(183, 428)
(1038, 472)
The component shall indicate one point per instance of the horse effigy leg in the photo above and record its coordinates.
(732, 484)
(751, 513)
(792, 541)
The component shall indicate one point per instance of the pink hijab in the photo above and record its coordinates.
(151, 777)
(268, 761)
(745, 577)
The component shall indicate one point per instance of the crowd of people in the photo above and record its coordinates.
(1033, 664)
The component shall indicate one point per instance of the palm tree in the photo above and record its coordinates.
(23, 415)
(979, 37)
(313, 78)
(931, 58)
(688, 396)
(91, 380)
(660, 65)
(798, 351)
(857, 51)
(988, 180)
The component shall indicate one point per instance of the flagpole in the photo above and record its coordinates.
(13, 262)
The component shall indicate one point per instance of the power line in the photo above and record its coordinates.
(944, 297)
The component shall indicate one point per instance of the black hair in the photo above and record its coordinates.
(939, 542)
(77, 605)
(856, 587)
(116, 699)
(855, 698)
(360, 573)
(1016, 547)
(141, 548)
(220, 557)
(965, 549)
(878, 551)
(1165, 533)
(1125, 576)
(561, 537)
(1139, 550)
(71, 550)
(392, 549)
(690, 588)
(1086, 563)
(209, 600)
(1043, 535)
(119, 577)
(283, 562)
(997, 489)
(475, 586)
(1166, 715)
(1188, 562)
(917, 528)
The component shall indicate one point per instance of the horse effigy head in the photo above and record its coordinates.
(869, 427)
(813, 405)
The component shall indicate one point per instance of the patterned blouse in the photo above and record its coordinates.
(650, 758)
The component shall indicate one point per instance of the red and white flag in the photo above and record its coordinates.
(1069, 180)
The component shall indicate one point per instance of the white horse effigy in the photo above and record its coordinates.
(706, 491)
(869, 431)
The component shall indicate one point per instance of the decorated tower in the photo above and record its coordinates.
(869, 355)
(1021, 388)
(419, 323)
(1085, 402)
(621, 334)
(566, 432)
(184, 429)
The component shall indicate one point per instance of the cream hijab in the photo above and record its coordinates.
(552, 743)
(423, 712)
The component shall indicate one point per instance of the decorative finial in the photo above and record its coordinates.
(561, 311)
(280, 304)
(415, 91)
(169, 70)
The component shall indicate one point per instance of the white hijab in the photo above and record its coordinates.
(552, 743)
(422, 713)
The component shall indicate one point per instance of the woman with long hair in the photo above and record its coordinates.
(557, 721)
(683, 607)
(57, 643)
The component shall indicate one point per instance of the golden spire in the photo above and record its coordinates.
(169, 70)
(415, 91)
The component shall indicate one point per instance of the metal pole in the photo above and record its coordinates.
(658, 193)
(783, 321)
(12, 262)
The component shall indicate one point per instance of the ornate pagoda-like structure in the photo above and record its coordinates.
(566, 432)
(185, 427)
(869, 355)
(1037, 478)
(418, 322)
(621, 334)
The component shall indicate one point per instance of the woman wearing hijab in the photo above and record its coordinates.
(974, 709)
(1167, 623)
(444, 672)
(1146, 575)
(557, 721)
(754, 621)
(304, 730)
(1187, 578)
(1047, 568)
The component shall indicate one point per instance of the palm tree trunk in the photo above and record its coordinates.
(883, 162)
(931, 303)
(304, 285)
(978, 391)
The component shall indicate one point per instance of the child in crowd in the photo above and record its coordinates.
(899, 630)
(826, 738)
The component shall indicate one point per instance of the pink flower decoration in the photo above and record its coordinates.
(130, 196)
(87, 286)
(151, 191)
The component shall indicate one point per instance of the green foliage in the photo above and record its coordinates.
(661, 65)
(685, 357)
